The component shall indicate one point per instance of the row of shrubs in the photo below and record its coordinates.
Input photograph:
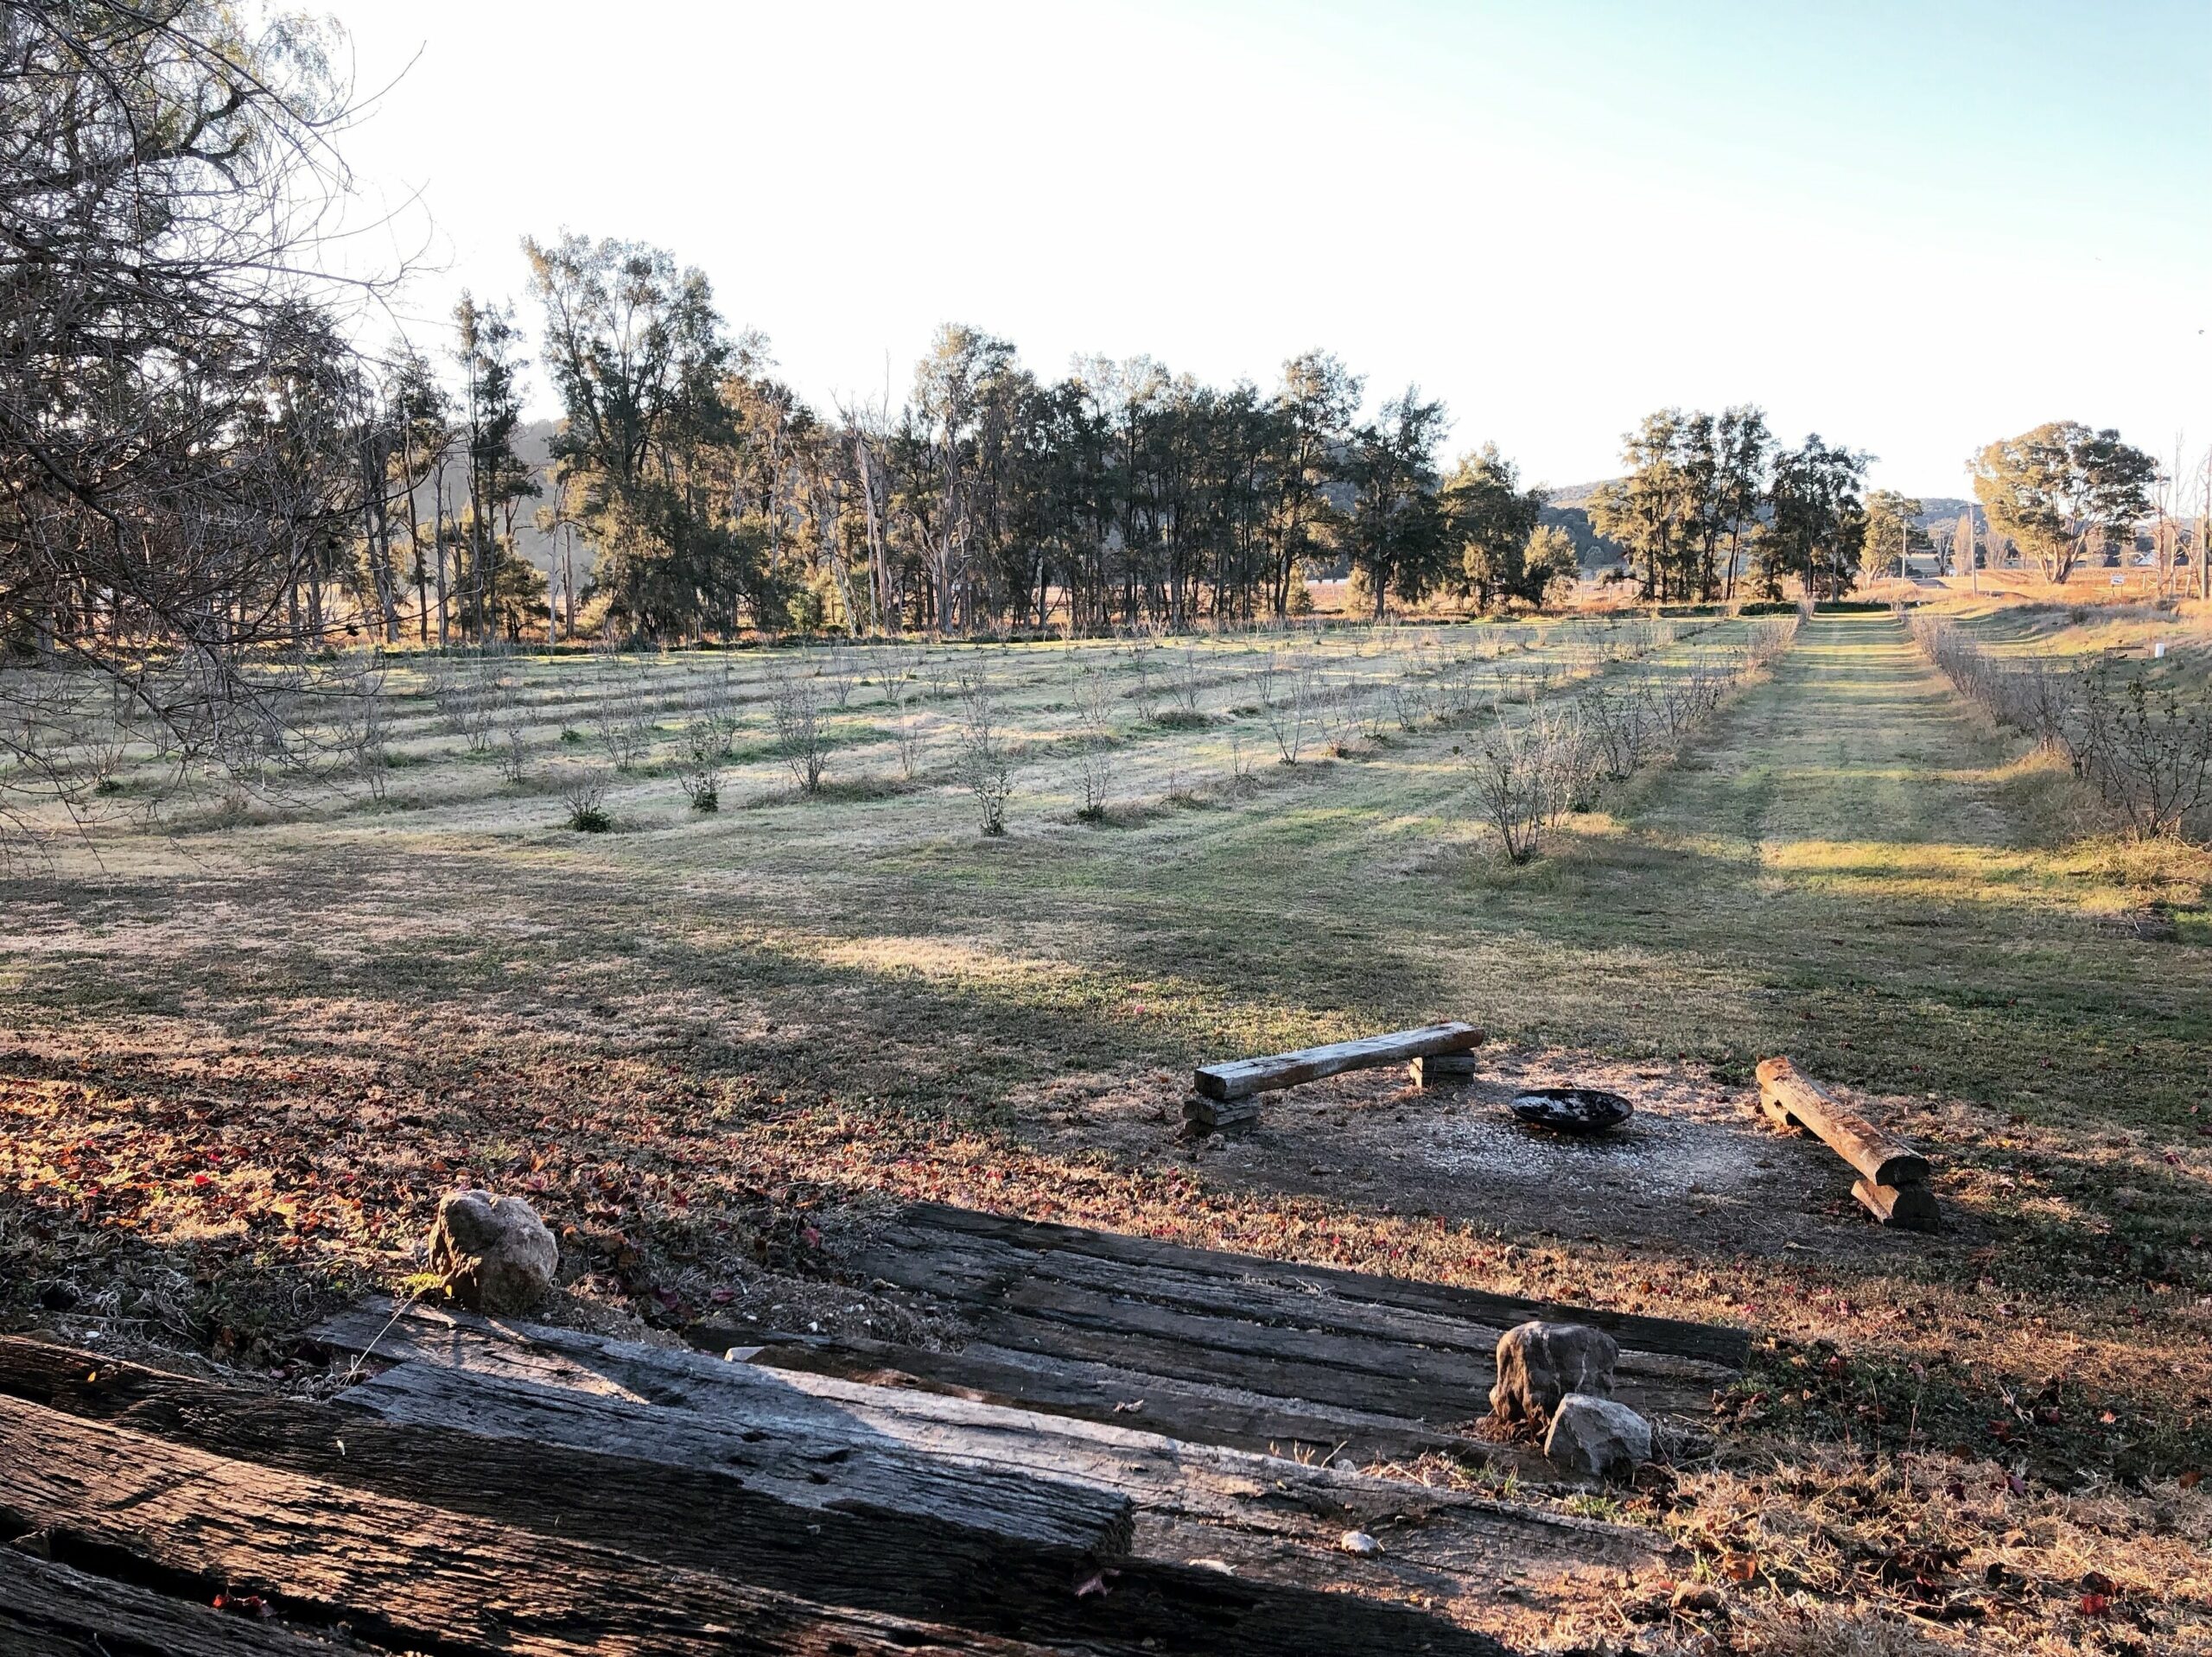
(1572, 748)
(2144, 746)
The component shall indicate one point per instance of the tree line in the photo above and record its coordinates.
(712, 498)
(197, 463)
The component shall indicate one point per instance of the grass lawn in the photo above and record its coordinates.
(253, 1043)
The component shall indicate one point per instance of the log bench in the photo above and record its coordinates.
(1893, 1178)
(1228, 1093)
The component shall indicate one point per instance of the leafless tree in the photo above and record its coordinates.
(2148, 747)
(840, 671)
(181, 418)
(1524, 773)
(986, 761)
(1187, 682)
(1147, 689)
(622, 715)
(795, 704)
(1287, 695)
(1094, 704)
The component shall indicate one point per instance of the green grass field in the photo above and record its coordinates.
(255, 1039)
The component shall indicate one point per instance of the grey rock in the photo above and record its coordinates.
(1597, 1438)
(1540, 1363)
(493, 1252)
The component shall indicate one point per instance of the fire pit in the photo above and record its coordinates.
(1572, 1110)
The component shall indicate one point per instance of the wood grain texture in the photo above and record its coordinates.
(423, 1443)
(1202, 1112)
(1881, 1156)
(402, 1573)
(664, 1483)
(1909, 1207)
(1305, 1506)
(939, 1248)
(1240, 1078)
(1205, 1412)
(48, 1609)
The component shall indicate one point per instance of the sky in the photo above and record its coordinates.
(1911, 227)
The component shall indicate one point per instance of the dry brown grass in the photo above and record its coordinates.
(242, 1066)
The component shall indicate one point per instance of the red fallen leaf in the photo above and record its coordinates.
(2096, 1605)
(813, 1237)
(2016, 1485)
(2174, 1157)
(2191, 1479)
(721, 1297)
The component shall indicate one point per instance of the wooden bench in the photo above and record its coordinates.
(1230, 1093)
(1893, 1181)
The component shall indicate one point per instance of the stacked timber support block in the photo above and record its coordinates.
(1442, 1070)
(1223, 1094)
(1893, 1178)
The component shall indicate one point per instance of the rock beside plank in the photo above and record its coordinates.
(1597, 1438)
(493, 1252)
(1539, 1364)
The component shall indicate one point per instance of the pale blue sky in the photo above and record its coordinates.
(1913, 228)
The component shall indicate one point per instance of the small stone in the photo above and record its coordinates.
(1597, 1438)
(1358, 1541)
(493, 1252)
(1572, 1110)
(1540, 1363)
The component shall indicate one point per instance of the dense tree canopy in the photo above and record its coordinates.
(2063, 492)
(1816, 523)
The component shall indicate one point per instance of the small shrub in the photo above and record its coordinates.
(585, 795)
(1095, 707)
(1524, 777)
(986, 763)
(795, 707)
(702, 775)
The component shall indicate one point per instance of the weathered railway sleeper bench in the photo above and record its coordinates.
(1229, 1092)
